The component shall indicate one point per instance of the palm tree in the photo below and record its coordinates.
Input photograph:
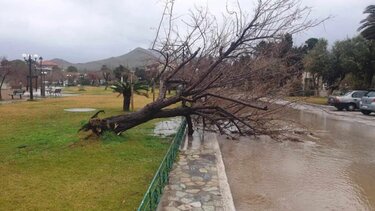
(368, 25)
(125, 89)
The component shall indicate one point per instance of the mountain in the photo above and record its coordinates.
(62, 63)
(138, 57)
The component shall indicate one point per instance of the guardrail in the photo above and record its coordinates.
(153, 194)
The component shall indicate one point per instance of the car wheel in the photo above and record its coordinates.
(339, 108)
(351, 107)
(365, 112)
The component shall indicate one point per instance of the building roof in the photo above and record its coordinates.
(49, 63)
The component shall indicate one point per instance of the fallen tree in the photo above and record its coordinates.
(219, 72)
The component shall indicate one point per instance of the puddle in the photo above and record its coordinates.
(168, 127)
(80, 109)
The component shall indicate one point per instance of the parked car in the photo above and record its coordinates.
(349, 101)
(368, 103)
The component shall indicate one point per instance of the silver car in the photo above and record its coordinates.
(349, 101)
(367, 104)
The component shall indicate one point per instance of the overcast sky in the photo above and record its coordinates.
(86, 30)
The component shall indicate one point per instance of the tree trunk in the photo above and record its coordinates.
(369, 75)
(1, 86)
(121, 123)
(126, 103)
(190, 125)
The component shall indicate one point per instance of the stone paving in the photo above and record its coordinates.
(194, 181)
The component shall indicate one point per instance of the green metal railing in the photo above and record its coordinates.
(153, 194)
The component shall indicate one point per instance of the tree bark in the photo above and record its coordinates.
(1, 86)
(369, 75)
(190, 125)
(126, 103)
(121, 123)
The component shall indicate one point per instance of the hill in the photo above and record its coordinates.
(138, 57)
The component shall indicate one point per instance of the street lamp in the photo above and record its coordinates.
(30, 59)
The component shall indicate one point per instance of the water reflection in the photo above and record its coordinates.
(334, 172)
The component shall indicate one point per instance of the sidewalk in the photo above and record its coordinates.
(198, 180)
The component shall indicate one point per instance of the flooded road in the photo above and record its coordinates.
(333, 169)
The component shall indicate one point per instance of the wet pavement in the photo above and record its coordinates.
(332, 169)
(332, 112)
(196, 181)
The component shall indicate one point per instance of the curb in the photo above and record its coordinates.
(228, 203)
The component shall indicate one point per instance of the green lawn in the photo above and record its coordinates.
(46, 165)
(90, 90)
(312, 100)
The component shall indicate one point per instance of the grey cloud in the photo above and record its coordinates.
(84, 30)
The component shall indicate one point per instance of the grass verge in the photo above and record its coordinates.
(46, 165)
(312, 100)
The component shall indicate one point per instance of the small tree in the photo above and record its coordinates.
(106, 75)
(316, 62)
(71, 69)
(125, 89)
(4, 72)
(310, 43)
(120, 71)
(140, 73)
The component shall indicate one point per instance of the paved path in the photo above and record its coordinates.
(198, 181)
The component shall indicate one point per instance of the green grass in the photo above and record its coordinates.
(46, 165)
(312, 100)
(90, 90)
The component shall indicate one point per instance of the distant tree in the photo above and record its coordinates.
(106, 72)
(83, 79)
(18, 75)
(140, 73)
(71, 69)
(104, 68)
(338, 65)
(278, 49)
(316, 62)
(124, 89)
(56, 76)
(350, 60)
(368, 24)
(360, 59)
(4, 72)
(310, 43)
(93, 77)
(286, 44)
(263, 48)
(120, 72)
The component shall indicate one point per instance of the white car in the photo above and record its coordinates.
(349, 101)
(368, 103)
